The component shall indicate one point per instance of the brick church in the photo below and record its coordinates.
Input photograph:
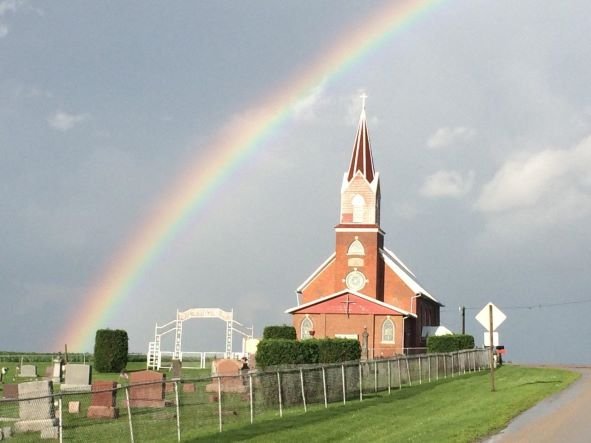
(364, 289)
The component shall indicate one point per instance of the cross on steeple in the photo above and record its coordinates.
(363, 97)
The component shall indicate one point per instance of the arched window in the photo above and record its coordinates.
(358, 209)
(388, 331)
(356, 248)
(305, 328)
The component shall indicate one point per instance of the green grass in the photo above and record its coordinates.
(454, 410)
(459, 409)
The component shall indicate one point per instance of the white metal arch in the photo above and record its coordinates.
(176, 326)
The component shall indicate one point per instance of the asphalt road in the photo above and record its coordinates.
(564, 417)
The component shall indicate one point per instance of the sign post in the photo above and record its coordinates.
(491, 356)
(491, 317)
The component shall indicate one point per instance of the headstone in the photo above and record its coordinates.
(28, 371)
(56, 371)
(188, 387)
(48, 374)
(6, 432)
(78, 378)
(74, 407)
(146, 389)
(11, 391)
(36, 414)
(177, 368)
(103, 401)
(230, 373)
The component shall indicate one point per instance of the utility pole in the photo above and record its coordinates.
(463, 312)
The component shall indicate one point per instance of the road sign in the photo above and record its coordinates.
(487, 339)
(483, 317)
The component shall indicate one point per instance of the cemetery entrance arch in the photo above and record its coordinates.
(176, 327)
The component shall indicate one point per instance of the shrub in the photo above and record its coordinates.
(449, 343)
(274, 352)
(336, 350)
(110, 350)
(284, 331)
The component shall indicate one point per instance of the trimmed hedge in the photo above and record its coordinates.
(336, 350)
(274, 352)
(284, 331)
(110, 350)
(449, 343)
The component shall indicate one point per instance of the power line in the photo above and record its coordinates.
(536, 306)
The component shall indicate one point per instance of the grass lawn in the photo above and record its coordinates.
(459, 409)
(453, 410)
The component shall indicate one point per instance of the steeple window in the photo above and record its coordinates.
(358, 209)
(356, 248)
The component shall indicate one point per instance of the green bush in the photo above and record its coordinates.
(449, 343)
(280, 351)
(336, 350)
(284, 331)
(110, 350)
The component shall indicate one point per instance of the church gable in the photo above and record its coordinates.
(348, 303)
(319, 281)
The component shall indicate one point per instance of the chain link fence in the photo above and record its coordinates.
(192, 408)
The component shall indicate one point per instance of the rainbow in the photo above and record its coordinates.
(234, 143)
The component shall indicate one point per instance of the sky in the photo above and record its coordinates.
(479, 114)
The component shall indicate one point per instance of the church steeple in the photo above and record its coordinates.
(362, 160)
(360, 191)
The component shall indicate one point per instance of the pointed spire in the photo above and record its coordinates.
(362, 160)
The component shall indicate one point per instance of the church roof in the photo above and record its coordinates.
(362, 159)
(385, 308)
(405, 274)
(314, 274)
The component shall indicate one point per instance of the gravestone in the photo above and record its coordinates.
(230, 376)
(78, 378)
(28, 371)
(104, 400)
(74, 407)
(177, 368)
(146, 389)
(36, 414)
(11, 391)
(56, 371)
(188, 387)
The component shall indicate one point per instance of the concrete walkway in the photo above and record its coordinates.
(563, 418)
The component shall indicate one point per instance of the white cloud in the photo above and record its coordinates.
(62, 121)
(447, 184)
(3, 30)
(534, 194)
(305, 108)
(9, 6)
(545, 179)
(446, 136)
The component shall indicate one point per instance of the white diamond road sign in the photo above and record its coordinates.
(483, 317)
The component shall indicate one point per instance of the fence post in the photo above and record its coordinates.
(250, 396)
(324, 386)
(429, 362)
(303, 391)
(360, 383)
(389, 377)
(129, 414)
(61, 427)
(178, 415)
(408, 372)
(344, 386)
(420, 372)
(279, 393)
(375, 376)
(437, 366)
(444, 366)
(220, 403)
